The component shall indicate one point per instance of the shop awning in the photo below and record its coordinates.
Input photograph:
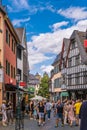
(11, 87)
(64, 94)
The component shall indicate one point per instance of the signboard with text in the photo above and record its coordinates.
(22, 84)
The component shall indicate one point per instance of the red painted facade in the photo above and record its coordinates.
(9, 56)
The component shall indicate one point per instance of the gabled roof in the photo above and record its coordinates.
(20, 33)
(9, 23)
(57, 59)
(79, 37)
(33, 80)
(65, 45)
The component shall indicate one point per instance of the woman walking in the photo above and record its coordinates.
(4, 116)
(41, 110)
(71, 116)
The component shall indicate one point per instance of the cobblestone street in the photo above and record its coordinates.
(32, 125)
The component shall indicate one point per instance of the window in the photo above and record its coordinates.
(19, 53)
(73, 43)
(64, 79)
(77, 61)
(19, 72)
(11, 71)
(69, 62)
(7, 68)
(57, 83)
(56, 69)
(85, 77)
(14, 48)
(63, 63)
(12, 44)
(7, 36)
(9, 39)
(14, 72)
(77, 78)
(70, 79)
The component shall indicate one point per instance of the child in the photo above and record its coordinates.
(35, 112)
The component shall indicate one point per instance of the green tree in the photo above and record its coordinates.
(44, 86)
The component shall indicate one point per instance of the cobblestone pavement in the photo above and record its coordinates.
(32, 125)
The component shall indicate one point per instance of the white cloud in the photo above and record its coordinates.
(50, 43)
(76, 13)
(50, 8)
(47, 69)
(36, 57)
(18, 22)
(82, 24)
(56, 26)
(20, 5)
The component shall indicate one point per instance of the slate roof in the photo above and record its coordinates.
(66, 44)
(20, 33)
(56, 59)
(33, 80)
(80, 37)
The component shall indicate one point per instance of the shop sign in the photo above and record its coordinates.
(22, 84)
(85, 43)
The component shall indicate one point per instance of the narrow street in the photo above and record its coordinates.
(32, 125)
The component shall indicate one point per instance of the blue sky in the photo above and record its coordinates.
(47, 22)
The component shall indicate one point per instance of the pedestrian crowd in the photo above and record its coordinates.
(67, 112)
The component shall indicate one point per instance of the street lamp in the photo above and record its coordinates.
(19, 122)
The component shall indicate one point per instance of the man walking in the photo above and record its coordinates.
(48, 109)
(77, 107)
(59, 113)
